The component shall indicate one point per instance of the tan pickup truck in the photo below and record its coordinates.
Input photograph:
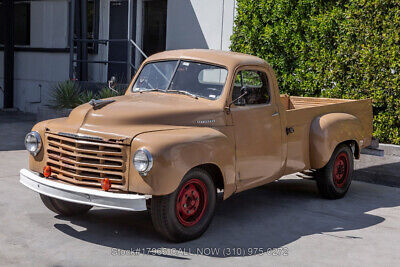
(192, 123)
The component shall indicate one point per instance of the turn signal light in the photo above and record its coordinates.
(47, 171)
(105, 184)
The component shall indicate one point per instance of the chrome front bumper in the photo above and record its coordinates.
(82, 195)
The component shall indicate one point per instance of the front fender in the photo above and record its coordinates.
(175, 152)
(329, 130)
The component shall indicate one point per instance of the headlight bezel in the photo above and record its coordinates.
(149, 158)
(39, 142)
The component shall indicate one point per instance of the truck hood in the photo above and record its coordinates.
(133, 114)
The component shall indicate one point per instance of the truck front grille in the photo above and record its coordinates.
(86, 162)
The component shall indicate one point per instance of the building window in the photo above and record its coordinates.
(93, 10)
(93, 19)
(154, 26)
(22, 23)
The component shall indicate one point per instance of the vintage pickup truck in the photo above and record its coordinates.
(192, 123)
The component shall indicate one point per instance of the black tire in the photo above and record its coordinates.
(168, 212)
(334, 179)
(64, 208)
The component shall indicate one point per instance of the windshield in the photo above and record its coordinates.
(192, 78)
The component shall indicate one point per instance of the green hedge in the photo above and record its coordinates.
(343, 49)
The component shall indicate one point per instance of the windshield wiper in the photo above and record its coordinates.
(183, 93)
(168, 91)
(149, 90)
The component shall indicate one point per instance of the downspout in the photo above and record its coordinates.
(71, 40)
(84, 36)
(78, 27)
(222, 23)
(8, 16)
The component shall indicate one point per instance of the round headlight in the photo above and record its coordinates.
(33, 143)
(142, 161)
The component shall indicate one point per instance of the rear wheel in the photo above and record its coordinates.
(186, 213)
(64, 208)
(334, 179)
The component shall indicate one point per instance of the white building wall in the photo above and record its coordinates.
(36, 73)
(49, 24)
(200, 24)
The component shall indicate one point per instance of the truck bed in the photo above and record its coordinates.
(298, 102)
(301, 111)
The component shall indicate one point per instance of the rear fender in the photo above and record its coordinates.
(329, 130)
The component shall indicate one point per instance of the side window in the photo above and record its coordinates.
(257, 84)
(252, 79)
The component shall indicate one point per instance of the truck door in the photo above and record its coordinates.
(257, 128)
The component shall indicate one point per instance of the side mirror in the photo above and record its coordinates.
(112, 83)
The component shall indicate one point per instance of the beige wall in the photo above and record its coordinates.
(200, 24)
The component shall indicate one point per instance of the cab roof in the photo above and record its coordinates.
(225, 58)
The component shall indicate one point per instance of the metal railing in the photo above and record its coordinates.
(130, 44)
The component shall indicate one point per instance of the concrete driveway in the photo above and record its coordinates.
(13, 128)
(361, 229)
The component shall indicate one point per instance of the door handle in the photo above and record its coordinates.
(276, 113)
(289, 130)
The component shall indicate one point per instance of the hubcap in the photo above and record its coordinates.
(191, 202)
(341, 170)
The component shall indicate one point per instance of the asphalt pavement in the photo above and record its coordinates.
(285, 222)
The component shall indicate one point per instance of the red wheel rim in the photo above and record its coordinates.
(341, 170)
(191, 202)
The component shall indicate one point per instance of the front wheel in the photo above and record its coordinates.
(187, 212)
(64, 208)
(334, 179)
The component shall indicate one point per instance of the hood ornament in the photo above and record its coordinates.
(96, 104)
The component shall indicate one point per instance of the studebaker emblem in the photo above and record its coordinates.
(205, 121)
